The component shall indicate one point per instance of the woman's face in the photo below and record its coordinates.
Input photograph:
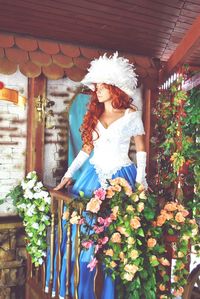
(103, 93)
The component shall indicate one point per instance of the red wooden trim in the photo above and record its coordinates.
(147, 123)
(188, 44)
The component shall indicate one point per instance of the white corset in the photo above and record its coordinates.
(112, 146)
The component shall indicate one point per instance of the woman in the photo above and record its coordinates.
(108, 126)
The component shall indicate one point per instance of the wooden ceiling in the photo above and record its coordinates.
(152, 28)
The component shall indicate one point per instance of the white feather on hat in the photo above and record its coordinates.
(113, 70)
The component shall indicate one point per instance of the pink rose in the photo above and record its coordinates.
(104, 240)
(93, 205)
(98, 229)
(97, 247)
(87, 244)
(104, 221)
(100, 193)
(81, 221)
(92, 264)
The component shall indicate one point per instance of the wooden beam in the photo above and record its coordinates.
(188, 44)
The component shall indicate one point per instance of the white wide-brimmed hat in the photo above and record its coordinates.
(113, 70)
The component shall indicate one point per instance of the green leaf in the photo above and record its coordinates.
(140, 232)
(149, 214)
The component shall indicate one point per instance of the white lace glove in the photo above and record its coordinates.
(76, 164)
(141, 158)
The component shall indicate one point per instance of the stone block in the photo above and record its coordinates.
(5, 293)
(8, 255)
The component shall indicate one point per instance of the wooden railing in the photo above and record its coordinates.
(35, 284)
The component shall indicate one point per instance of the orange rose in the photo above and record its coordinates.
(109, 252)
(140, 207)
(151, 242)
(110, 193)
(128, 191)
(122, 231)
(180, 208)
(176, 278)
(164, 261)
(135, 223)
(113, 264)
(116, 238)
(179, 217)
(117, 188)
(178, 292)
(93, 205)
(171, 207)
(162, 287)
(134, 254)
(121, 256)
(161, 220)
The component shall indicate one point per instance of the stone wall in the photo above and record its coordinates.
(13, 127)
(12, 260)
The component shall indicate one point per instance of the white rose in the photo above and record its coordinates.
(31, 183)
(47, 200)
(40, 261)
(35, 225)
(28, 194)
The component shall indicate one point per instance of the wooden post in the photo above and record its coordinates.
(147, 123)
(30, 152)
(35, 129)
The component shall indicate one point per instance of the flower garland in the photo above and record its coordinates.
(176, 143)
(126, 231)
(33, 204)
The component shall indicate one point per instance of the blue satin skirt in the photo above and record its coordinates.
(88, 182)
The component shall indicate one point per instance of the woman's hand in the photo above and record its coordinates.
(65, 182)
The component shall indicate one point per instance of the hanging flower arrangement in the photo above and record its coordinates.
(33, 204)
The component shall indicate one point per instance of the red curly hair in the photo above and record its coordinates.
(120, 100)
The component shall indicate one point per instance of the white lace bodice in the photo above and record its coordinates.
(112, 146)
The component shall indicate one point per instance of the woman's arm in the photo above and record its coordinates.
(141, 157)
(76, 164)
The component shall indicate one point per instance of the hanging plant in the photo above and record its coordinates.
(32, 201)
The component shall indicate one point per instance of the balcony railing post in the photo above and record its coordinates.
(77, 253)
(68, 257)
